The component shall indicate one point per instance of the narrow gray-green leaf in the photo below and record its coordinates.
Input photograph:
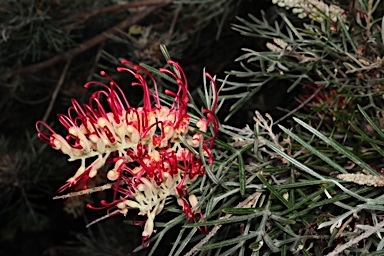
(338, 147)
(314, 150)
(158, 73)
(371, 122)
(224, 221)
(229, 241)
(274, 191)
(311, 172)
(242, 178)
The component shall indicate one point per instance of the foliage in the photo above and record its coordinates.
(337, 64)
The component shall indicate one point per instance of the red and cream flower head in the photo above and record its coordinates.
(143, 144)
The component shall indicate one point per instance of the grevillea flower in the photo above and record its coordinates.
(143, 144)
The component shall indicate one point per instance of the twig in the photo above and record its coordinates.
(357, 239)
(86, 191)
(174, 20)
(96, 61)
(300, 106)
(93, 41)
(57, 89)
(341, 230)
(103, 217)
(86, 15)
(247, 202)
(30, 102)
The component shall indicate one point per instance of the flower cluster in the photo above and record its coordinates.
(315, 9)
(143, 144)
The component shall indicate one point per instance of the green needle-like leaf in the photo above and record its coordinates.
(314, 150)
(229, 242)
(336, 145)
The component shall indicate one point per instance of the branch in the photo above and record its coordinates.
(120, 7)
(57, 89)
(172, 27)
(341, 248)
(91, 42)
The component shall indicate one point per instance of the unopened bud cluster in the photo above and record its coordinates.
(314, 9)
